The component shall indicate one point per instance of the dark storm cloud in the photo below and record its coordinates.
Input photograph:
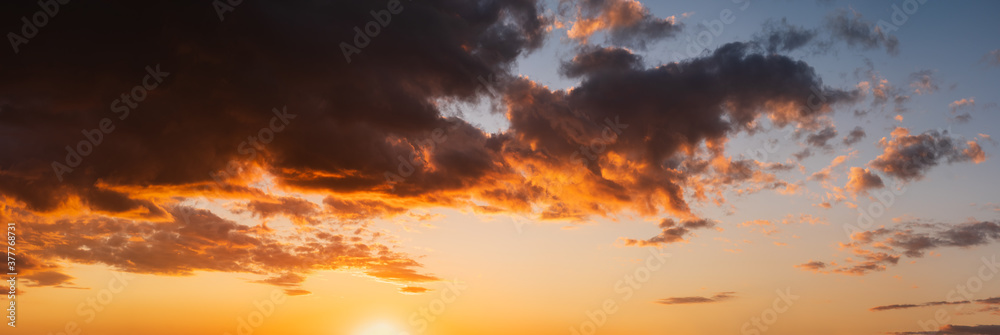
(225, 78)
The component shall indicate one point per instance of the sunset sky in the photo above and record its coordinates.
(440, 167)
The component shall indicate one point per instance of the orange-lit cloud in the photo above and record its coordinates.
(860, 180)
(626, 22)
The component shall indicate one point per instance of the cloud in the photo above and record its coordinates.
(626, 22)
(413, 289)
(215, 124)
(923, 82)
(297, 292)
(765, 226)
(847, 26)
(883, 92)
(962, 103)
(890, 307)
(987, 301)
(878, 249)
(914, 243)
(814, 266)
(803, 154)
(48, 278)
(820, 138)
(550, 127)
(361, 209)
(958, 330)
(780, 36)
(595, 60)
(854, 136)
(299, 210)
(962, 118)
(910, 157)
(718, 297)
(860, 180)
(394, 131)
(992, 58)
(856, 31)
(672, 232)
(367, 134)
(287, 279)
(203, 241)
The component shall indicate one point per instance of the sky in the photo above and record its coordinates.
(488, 167)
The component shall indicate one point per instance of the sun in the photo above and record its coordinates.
(381, 328)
